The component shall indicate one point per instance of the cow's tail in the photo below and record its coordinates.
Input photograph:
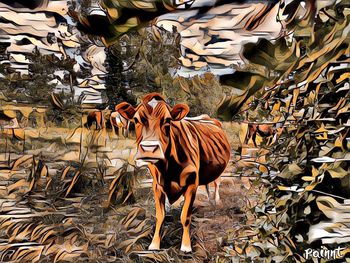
(208, 191)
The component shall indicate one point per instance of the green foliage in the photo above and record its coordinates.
(29, 89)
(145, 71)
(202, 93)
(307, 175)
(135, 67)
(35, 88)
(123, 17)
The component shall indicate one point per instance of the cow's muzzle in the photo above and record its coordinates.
(149, 152)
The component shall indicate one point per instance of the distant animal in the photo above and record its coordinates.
(95, 117)
(181, 154)
(264, 131)
(119, 123)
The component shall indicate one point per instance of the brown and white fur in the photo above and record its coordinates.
(181, 154)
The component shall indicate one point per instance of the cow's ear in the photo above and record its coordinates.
(126, 110)
(179, 112)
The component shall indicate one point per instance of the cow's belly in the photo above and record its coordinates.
(207, 174)
(209, 171)
(214, 155)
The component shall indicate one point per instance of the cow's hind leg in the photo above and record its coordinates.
(189, 195)
(217, 195)
(208, 194)
(159, 198)
(98, 121)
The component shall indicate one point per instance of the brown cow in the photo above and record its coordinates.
(181, 154)
(263, 130)
(118, 123)
(96, 117)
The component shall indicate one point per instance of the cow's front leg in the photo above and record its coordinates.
(159, 198)
(189, 195)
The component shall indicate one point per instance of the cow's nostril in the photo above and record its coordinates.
(149, 148)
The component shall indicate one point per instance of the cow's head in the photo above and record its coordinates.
(153, 118)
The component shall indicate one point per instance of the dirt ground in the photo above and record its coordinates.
(221, 220)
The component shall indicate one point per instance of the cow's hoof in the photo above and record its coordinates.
(154, 247)
(186, 249)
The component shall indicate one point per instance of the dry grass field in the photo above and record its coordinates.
(73, 194)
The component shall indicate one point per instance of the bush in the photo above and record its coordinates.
(306, 176)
